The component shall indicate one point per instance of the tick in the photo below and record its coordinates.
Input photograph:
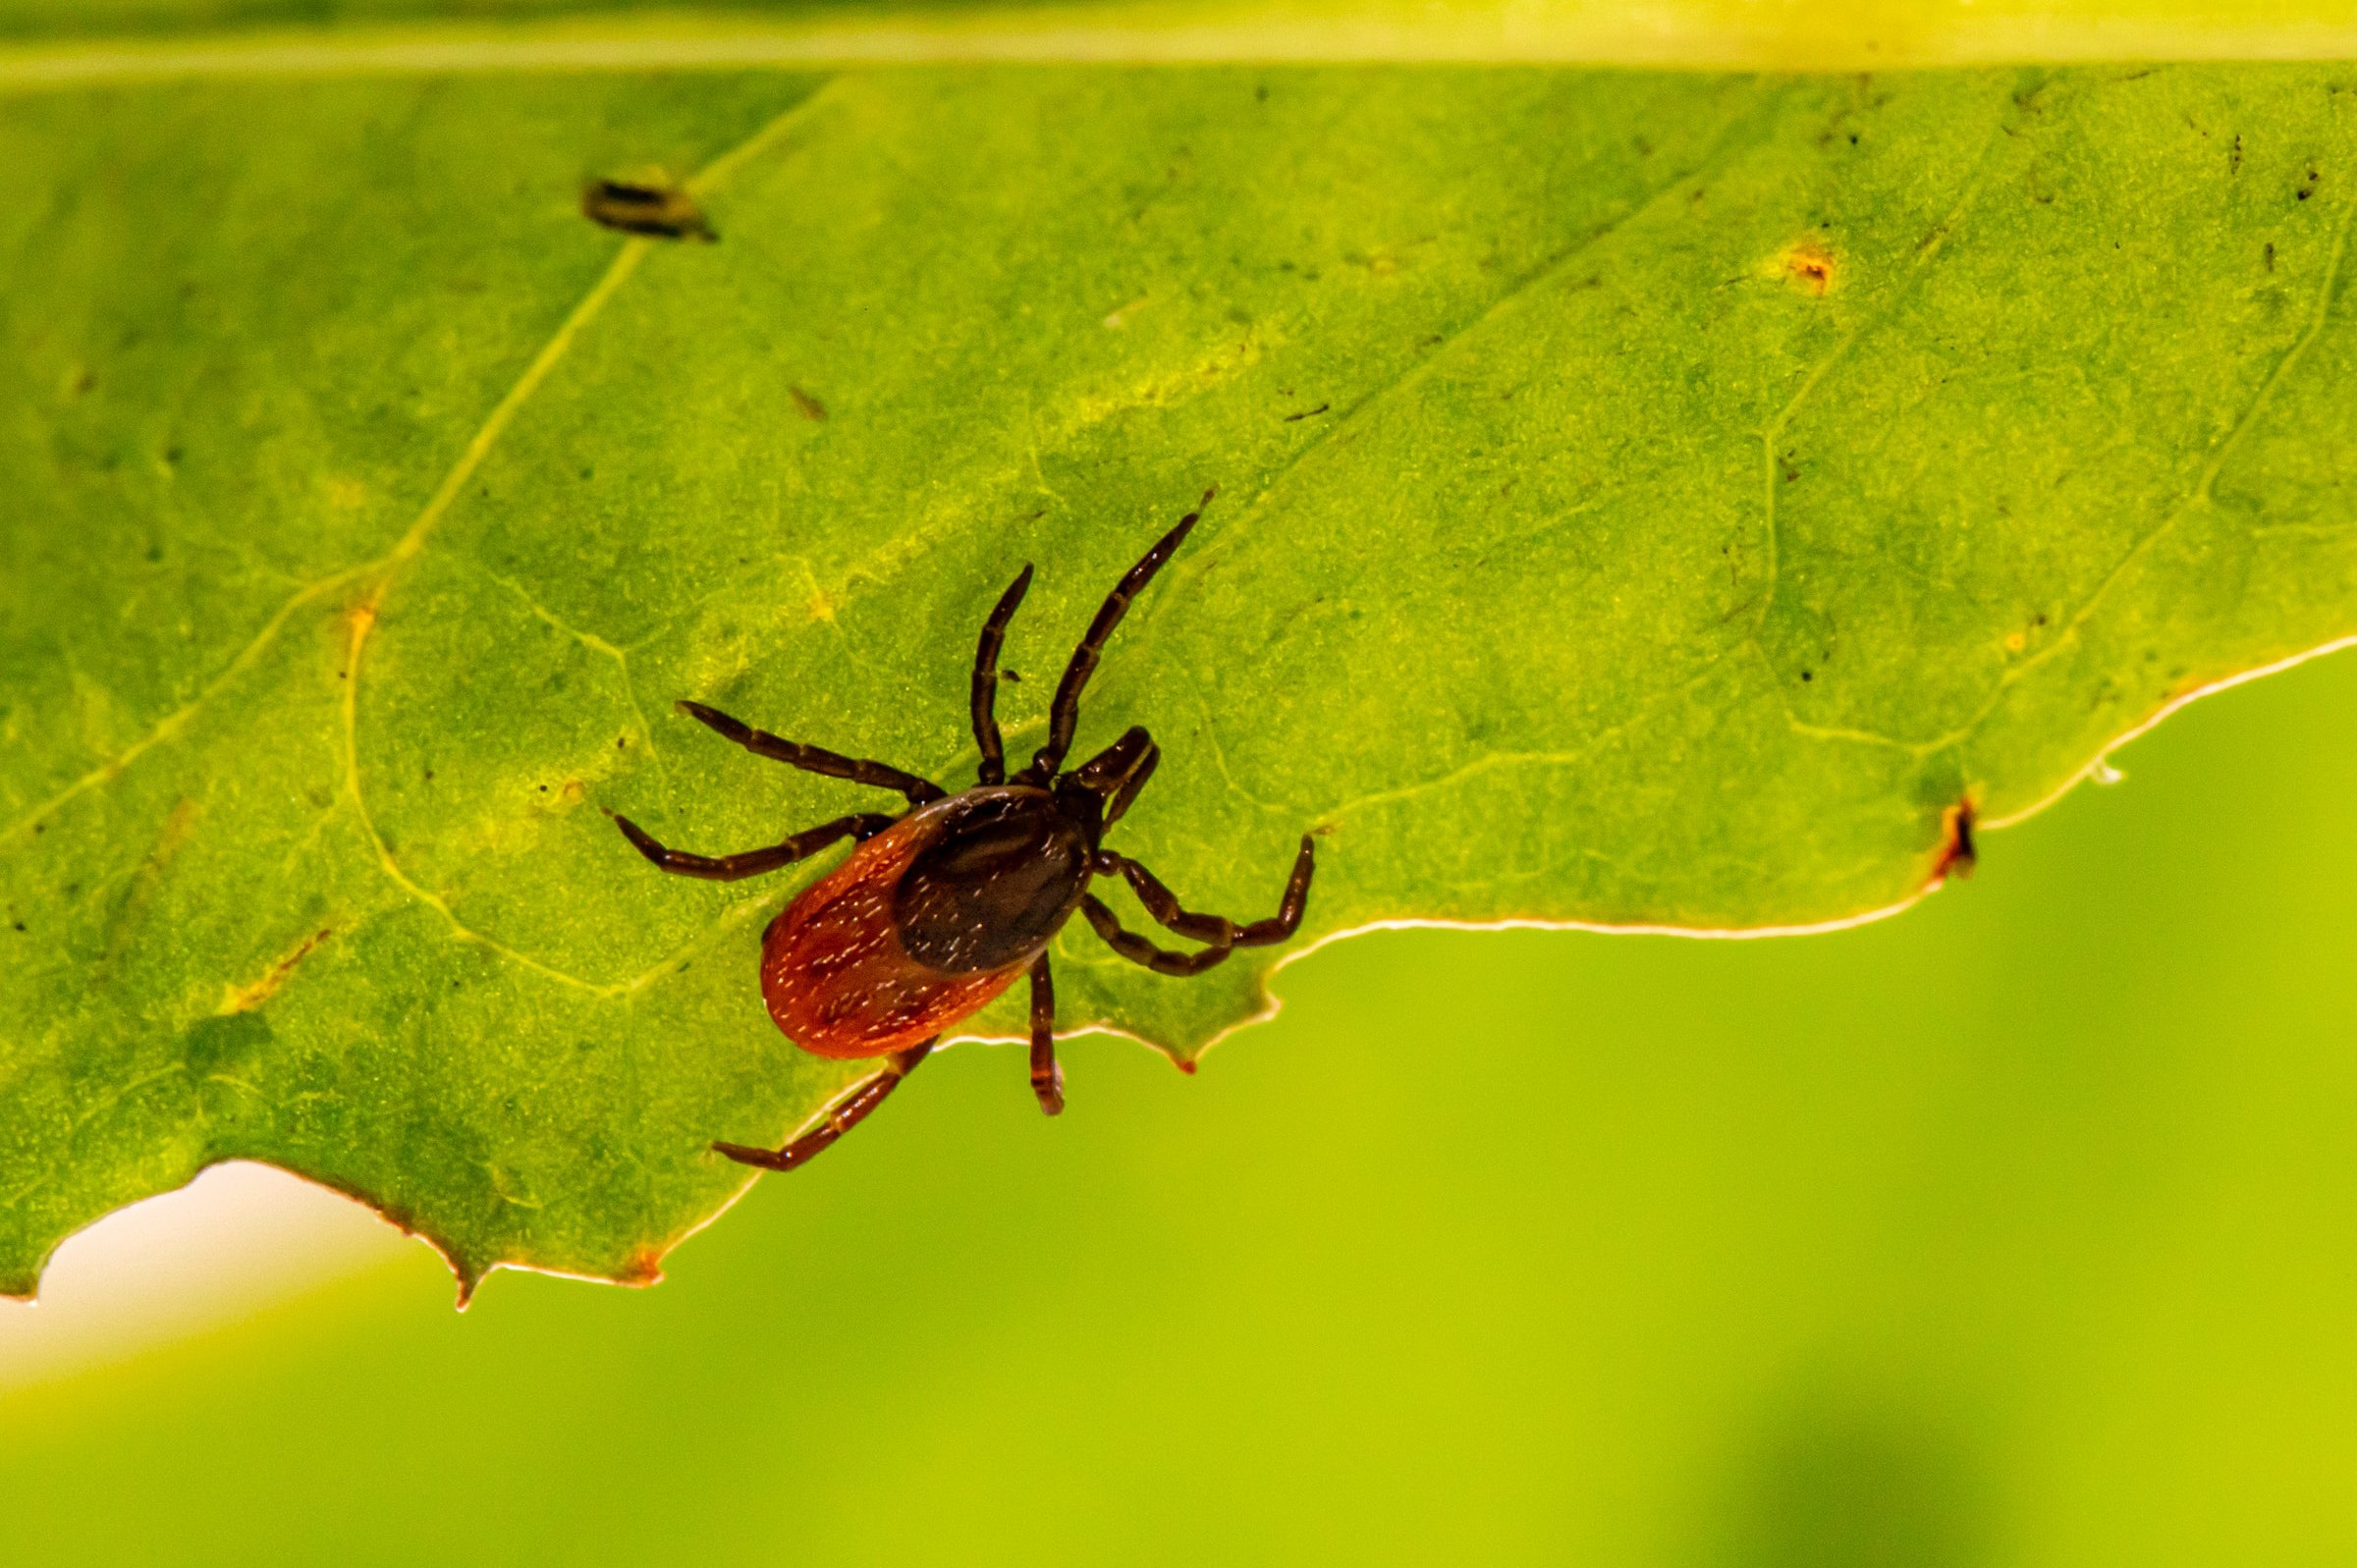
(942, 907)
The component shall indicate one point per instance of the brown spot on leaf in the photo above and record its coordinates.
(1810, 265)
(1958, 856)
(245, 999)
(126, 924)
(806, 406)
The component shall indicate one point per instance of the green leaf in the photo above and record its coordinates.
(1645, 499)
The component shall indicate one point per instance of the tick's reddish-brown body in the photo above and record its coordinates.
(938, 911)
(836, 966)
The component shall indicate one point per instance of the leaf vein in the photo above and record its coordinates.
(1771, 546)
(363, 617)
(2197, 497)
(1521, 287)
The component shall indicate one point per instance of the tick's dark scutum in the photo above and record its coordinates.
(1007, 870)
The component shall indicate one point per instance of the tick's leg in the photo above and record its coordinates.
(1047, 1078)
(1137, 950)
(1119, 806)
(815, 759)
(840, 1117)
(1163, 904)
(986, 679)
(753, 862)
(1063, 715)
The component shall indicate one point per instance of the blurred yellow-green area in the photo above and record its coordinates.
(1772, 35)
(2018, 1230)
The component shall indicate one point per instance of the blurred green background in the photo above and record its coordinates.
(2020, 1230)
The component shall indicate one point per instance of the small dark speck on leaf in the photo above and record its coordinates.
(658, 212)
(806, 406)
(429, 776)
(1808, 674)
(2270, 256)
(1307, 412)
(622, 740)
(544, 789)
(1260, 94)
(20, 925)
(1011, 674)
